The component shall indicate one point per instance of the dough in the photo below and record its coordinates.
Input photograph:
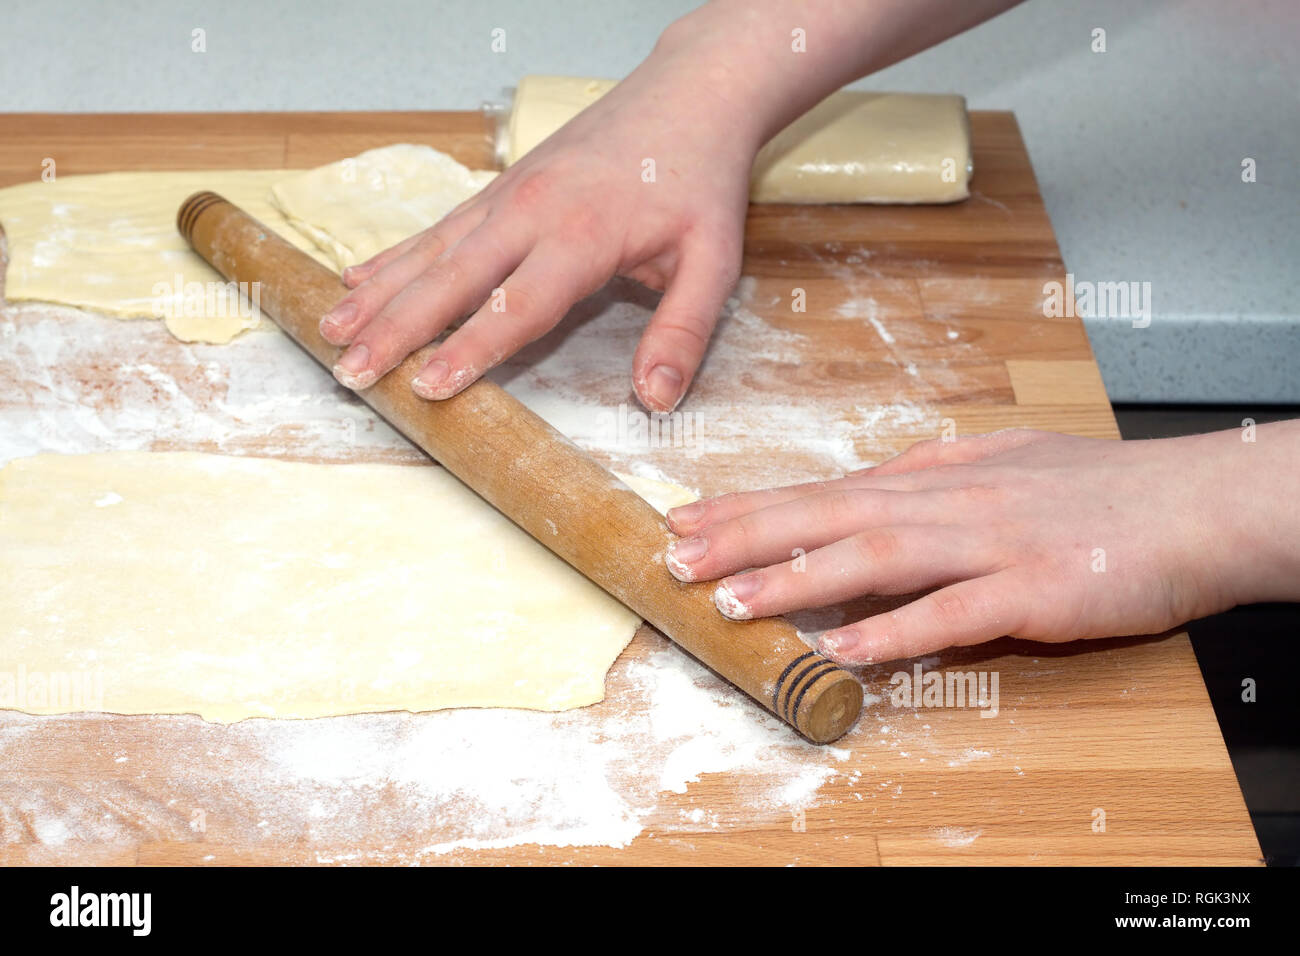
(137, 582)
(107, 242)
(543, 104)
(852, 147)
(361, 206)
(870, 148)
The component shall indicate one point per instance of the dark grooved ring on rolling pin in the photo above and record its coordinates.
(540, 480)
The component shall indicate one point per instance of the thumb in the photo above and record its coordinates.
(678, 334)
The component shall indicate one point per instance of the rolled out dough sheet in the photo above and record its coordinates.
(109, 242)
(853, 147)
(228, 587)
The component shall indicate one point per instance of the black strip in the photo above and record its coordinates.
(183, 214)
(820, 661)
(794, 711)
(776, 694)
(198, 208)
(193, 208)
(186, 902)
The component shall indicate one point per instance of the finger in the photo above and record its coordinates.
(359, 272)
(456, 283)
(969, 612)
(699, 515)
(678, 333)
(768, 535)
(417, 253)
(900, 559)
(955, 451)
(448, 230)
(526, 307)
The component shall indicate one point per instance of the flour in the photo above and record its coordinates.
(968, 755)
(258, 395)
(452, 780)
(956, 836)
(410, 787)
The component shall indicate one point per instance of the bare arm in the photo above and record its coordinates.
(575, 211)
(1036, 535)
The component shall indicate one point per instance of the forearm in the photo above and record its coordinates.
(1257, 511)
(748, 54)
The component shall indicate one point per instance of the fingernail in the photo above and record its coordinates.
(745, 586)
(664, 383)
(731, 606)
(687, 514)
(431, 378)
(351, 369)
(338, 318)
(353, 273)
(839, 643)
(682, 553)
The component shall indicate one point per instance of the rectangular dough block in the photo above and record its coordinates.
(853, 147)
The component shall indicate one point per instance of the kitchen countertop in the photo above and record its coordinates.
(1093, 752)
(1138, 150)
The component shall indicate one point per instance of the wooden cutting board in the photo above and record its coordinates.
(917, 320)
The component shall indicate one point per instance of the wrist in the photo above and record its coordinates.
(1258, 520)
(741, 58)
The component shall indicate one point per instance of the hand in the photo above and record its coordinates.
(557, 225)
(1024, 533)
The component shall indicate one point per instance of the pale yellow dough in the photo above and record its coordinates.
(109, 242)
(853, 147)
(361, 206)
(240, 587)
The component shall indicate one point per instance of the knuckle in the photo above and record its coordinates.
(740, 534)
(522, 302)
(841, 509)
(690, 330)
(952, 608)
(369, 299)
(430, 245)
(721, 507)
(532, 191)
(929, 448)
(876, 547)
(448, 270)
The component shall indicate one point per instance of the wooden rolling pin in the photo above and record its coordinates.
(541, 481)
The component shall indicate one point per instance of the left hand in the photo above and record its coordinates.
(1030, 534)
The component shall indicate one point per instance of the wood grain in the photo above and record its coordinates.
(918, 320)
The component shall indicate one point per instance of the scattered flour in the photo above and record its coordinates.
(458, 779)
(956, 836)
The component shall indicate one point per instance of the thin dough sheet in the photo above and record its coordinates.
(237, 587)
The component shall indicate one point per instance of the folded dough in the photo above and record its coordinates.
(853, 147)
(109, 242)
(361, 206)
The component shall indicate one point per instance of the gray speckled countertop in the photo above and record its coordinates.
(1138, 150)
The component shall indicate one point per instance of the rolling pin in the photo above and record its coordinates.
(542, 481)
